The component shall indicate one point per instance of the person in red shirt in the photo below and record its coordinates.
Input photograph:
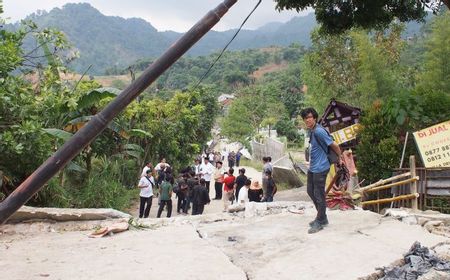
(228, 189)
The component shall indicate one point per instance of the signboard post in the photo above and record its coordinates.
(434, 145)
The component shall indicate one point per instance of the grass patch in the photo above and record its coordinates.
(251, 163)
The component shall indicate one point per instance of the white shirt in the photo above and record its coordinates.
(148, 190)
(211, 157)
(144, 171)
(243, 196)
(207, 170)
(158, 166)
(197, 169)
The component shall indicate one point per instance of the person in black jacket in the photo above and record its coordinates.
(200, 198)
(240, 182)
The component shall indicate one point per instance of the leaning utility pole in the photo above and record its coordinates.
(99, 122)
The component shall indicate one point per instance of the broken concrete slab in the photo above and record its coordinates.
(175, 252)
(279, 247)
(221, 246)
(26, 213)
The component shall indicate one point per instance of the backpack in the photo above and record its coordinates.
(331, 154)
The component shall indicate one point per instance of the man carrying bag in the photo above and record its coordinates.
(321, 149)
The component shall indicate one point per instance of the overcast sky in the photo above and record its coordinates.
(177, 15)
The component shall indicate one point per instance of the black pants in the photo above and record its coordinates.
(316, 191)
(145, 200)
(186, 205)
(207, 183)
(181, 201)
(197, 209)
(218, 187)
(161, 207)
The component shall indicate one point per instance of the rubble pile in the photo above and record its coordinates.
(419, 261)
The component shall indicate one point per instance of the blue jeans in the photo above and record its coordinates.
(316, 191)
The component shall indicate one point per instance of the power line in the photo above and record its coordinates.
(226, 46)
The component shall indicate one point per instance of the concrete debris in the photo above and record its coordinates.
(433, 221)
(27, 214)
(418, 261)
(443, 251)
(254, 209)
(435, 275)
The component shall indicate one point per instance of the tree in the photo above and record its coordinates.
(236, 124)
(353, 67)
(435, 75)
(340, 15)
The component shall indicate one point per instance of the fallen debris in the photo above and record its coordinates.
(114, 228)
(418, 261)
(26, 214)
(433, 221)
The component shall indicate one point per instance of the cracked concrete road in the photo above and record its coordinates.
(217, 246)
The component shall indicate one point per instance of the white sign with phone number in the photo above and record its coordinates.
(434, 145)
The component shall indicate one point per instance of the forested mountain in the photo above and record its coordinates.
(107, 42)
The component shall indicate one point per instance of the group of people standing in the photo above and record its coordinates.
(193, 185)
(159, 178)
(190, 188)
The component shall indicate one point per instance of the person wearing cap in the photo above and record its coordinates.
(239, 182)
(218, 180)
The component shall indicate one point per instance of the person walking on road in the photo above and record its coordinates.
(200, 198)
(146, 184)
(206, 172)
(320, 142)
(166, 196)
(218, 180)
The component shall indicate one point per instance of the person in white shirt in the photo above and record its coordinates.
(146, 184)
(243, 193)
(211, 158)
(197, 167)
(146, 167)
(162, 164)
(206, 171)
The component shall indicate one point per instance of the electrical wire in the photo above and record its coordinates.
(226, 46)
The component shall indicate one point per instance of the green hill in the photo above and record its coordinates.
(109, 42)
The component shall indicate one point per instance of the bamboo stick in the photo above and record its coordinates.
(413, 187)
(382, 182)
(404, 182)
(386, 200)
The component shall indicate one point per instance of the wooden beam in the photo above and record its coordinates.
(413, 188)
(399, 183)
(387, 200)
(382, 182)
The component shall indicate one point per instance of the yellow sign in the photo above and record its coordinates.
(434, 145)
(346, 134)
